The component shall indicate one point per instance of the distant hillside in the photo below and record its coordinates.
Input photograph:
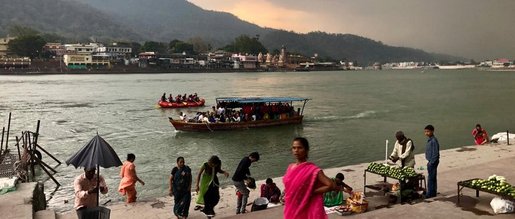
(346, 47)
(165, 20)
(69, 19)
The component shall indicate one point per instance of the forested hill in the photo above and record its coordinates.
(166, 20)
(346, 47)
(69, 19)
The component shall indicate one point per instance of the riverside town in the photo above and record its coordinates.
(94, 57)
(195, 109)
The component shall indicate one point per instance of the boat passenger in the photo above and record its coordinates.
(220, 110)
(211, 118)
(183, 117)
(237, 118)
(205, 119)
(170, 98)
(200, 117)
(163, 98)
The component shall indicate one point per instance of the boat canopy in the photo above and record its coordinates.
(245, 100)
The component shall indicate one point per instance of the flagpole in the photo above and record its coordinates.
(98, 185)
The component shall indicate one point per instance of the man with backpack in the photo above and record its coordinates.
(403, 151)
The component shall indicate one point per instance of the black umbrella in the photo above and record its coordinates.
(95, 153)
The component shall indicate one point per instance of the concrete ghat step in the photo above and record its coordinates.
(45, 214)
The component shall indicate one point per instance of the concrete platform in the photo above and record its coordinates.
(455, 165)
(22, 202)
(442, 206)
(45, 214)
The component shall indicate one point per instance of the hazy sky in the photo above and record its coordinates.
(478, 29)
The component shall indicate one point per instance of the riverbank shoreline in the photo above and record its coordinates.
(450, 159)
(118, 71)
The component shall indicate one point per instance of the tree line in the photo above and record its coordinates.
(29, 43)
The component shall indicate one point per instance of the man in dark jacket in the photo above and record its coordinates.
(433, 158)
(240, 175)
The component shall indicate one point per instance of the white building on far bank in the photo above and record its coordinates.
(244, 61)
(4, 45)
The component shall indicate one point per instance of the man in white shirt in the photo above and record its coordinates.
(183, 117)
(403, 150)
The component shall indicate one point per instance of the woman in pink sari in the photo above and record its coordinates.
(305, 185)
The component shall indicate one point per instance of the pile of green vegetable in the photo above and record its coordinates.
(494, 183)
(393, 172)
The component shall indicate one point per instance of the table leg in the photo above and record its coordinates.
(364, 182)
(458, 195)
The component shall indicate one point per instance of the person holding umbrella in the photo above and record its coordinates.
(95, 154)
(86, 187)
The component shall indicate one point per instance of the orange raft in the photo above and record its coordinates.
(166, 104)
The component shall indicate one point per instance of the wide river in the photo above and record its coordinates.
(347, 120)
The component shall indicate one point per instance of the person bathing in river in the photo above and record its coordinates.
(480, 135)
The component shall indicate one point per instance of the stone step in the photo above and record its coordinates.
(45, 214)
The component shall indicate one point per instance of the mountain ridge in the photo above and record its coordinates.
(165, 20)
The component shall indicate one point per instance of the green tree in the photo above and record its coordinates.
(20, 31)
(152, 46)
(177, 46)
(53, 38)
(199, 45)
(245, 44)
(27, 45)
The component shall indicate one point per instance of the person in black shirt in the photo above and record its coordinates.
(239, 177)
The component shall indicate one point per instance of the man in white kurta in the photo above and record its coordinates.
(403, 150)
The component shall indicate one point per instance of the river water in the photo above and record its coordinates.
(347, 120)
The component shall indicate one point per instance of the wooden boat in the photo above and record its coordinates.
(166, 104)
(294, 117)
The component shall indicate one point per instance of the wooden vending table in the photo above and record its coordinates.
(420, 178)
(466, 184)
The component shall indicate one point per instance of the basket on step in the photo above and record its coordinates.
(357, 207)
(97, 213)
